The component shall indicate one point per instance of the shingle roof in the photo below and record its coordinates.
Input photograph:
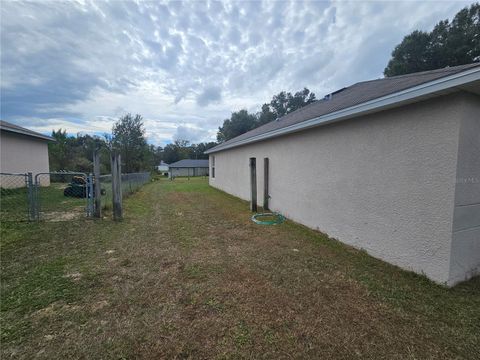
(190, 163)
(6, 126)
(350, 96)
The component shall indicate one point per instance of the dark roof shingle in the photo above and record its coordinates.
(190, 163)
(358, 93)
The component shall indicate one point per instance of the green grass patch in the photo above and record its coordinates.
(39, 287)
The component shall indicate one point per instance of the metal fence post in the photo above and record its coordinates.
(116, 186)
(31, 198)
(36, 197)
(97, 187)
(90, 195)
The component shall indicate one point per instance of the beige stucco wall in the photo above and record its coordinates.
(383, 182)
(21, 154)
(465, 257)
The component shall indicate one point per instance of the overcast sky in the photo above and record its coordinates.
(185, 66)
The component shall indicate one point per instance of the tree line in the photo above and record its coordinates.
(75, 153)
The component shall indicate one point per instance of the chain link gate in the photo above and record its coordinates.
(62, 196)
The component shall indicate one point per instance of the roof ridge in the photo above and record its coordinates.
(433, 71)
(446, 69)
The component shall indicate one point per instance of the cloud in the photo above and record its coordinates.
(192, 134)
(185, 66)
(210, 95)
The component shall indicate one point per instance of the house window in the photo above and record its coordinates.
(213, 166)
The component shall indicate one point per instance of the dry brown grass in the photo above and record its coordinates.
(188, 275)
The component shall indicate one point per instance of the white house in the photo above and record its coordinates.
(22, 151)
(163, 167)
(391, 166)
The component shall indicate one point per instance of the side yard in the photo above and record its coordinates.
(188, 275)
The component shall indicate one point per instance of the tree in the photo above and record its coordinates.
(281, 104)
(176, 151)
(128, 137)
(265, 115)
(196, 151)
(59, 154)
(284, 103)
(448, 44)
(75, 153)
(240, 122)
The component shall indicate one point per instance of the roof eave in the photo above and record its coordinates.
(375, 105)
(36, 136)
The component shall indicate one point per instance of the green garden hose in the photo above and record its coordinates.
(268, 218)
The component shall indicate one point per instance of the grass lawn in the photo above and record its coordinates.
(187, 274)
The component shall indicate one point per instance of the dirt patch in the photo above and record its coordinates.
(74, 276)
(66, 215)
(99, 305)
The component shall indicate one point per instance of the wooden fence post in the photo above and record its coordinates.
(253, 184)
(266, 195)
(116, 186)
(97, 189)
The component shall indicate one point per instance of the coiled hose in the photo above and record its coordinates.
(268, 218)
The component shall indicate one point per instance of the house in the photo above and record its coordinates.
(163, 167)
(391, 166)
(22, 151)
(188, 167)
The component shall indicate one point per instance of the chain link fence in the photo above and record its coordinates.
(130, 184)
(58, 196)
(15, 197)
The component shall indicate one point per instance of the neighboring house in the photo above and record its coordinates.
(188, 167)
(391, 166)
(22, 151)
(163, 167)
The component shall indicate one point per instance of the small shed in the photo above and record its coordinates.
(189, 167)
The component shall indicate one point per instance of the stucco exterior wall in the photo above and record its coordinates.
(21, 154)
(465, 256)
(189, 171)
(383, 182)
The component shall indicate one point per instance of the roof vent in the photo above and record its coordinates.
(330, 96)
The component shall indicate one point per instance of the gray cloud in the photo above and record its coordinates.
(75, 64)
(209, 95)
(192, 134)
